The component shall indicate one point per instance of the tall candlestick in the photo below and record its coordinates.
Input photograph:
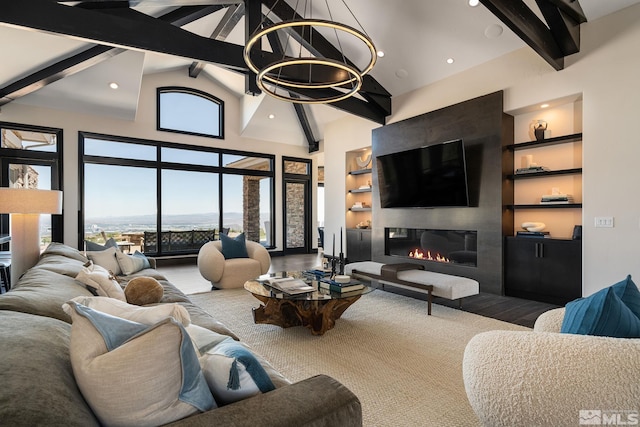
(340, 239)
(333, 252)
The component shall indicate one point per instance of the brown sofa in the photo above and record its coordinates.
(38, 385)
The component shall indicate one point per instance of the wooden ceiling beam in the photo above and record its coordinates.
(516, 15)
(228, 22)
(572, 8)
(121, 29)
(57, 71)
(86, 59)
(564, 29)
(134, 3)
(101, 28)
(252, 20)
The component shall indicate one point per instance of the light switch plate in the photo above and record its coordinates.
(604, 222)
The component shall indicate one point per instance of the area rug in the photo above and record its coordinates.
(404, 366)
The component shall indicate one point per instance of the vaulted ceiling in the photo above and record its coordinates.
(63, 54)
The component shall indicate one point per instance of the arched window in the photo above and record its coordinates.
(190, 111)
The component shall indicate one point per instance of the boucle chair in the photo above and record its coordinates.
(232, 273)
(545, 378)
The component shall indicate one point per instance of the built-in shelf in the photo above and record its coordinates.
(547, 206)
(576, 137)
(361, 190)
(359, 171)
(360, 209)
(573, 171)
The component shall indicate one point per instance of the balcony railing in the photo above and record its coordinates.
(178, 241)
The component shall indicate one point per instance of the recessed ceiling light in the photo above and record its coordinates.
(380, 54)
(114, 85)
(272, 116)
(474, 3)
(450, 60)
(544, 105)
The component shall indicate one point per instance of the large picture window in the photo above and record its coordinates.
(190, 111)
(163, 198)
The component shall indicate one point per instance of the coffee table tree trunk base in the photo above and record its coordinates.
(317, 316)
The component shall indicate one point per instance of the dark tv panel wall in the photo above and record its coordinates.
(484, 129)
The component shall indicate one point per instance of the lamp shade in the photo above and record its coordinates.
(30, 201)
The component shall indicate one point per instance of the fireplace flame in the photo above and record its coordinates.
(420, 254)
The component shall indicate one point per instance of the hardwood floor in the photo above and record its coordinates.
(508, 309)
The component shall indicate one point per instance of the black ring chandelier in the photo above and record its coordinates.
(278, 78)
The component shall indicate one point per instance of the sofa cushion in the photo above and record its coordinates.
(603, 314)
(42, 292)
(62, 259)
(146, 315)
(37, 383)
(101, 280)
(107, 259)
(60, 249)
(235, 247)
(232, 371)
(134, 374)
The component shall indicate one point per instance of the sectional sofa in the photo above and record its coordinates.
(38, 382)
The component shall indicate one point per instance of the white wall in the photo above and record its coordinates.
(605, 73)
(144, 127)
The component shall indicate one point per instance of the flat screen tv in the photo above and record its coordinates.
(425, 177)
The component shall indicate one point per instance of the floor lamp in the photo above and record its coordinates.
(25, 207)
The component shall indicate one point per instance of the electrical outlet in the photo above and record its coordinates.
(604, 222)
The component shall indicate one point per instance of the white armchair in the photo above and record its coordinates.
(545, 378)
(232, 273)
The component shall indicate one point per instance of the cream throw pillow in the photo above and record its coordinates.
(133, 374)
(102, 281)
(106, 259)
(145, 315)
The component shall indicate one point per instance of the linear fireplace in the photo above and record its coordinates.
(445, 246)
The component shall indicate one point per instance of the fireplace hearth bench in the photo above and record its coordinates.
(415, 277)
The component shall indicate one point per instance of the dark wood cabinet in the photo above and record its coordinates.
(358, 244)
(547, 270)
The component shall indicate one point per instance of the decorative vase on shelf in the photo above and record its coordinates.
(539, 127)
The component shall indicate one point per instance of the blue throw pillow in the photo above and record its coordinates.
(603, 314)
(92, 246)
(143, 257)
(234, 247)
(628, 292)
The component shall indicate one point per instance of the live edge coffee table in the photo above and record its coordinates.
(317, 310)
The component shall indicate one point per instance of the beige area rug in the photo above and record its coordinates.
(405, 366)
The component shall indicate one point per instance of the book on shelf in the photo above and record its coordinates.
(532, 169)
(556, 199)
(532, 234)
(290, 285)
(341, 287)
